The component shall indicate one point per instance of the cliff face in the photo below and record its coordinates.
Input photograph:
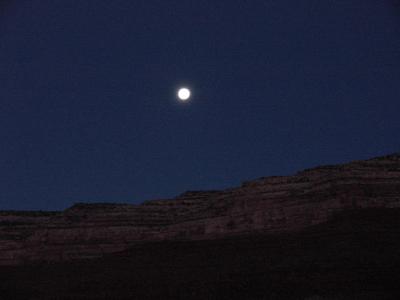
(266, 205)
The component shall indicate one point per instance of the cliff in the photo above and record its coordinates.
(263, 206)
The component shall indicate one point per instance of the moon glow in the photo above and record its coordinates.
(184, 94)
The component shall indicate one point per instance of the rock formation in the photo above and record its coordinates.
(266, 205)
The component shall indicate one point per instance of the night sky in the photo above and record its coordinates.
(88, 107)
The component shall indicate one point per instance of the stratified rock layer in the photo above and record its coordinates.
(265, 205)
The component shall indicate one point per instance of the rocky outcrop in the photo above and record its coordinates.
(265, 205)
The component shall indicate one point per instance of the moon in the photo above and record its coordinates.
(184, 94)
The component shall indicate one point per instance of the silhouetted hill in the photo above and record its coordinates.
(353, 256)
(324, 233)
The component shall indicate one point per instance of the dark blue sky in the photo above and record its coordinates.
(88, 111)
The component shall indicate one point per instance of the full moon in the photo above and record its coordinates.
(183, 94)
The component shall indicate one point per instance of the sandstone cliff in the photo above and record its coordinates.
(265, 205)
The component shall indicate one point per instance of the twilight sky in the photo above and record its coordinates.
(88, 111)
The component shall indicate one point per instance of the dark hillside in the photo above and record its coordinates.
(354, 256)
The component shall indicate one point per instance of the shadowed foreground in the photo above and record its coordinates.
(354, 256)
